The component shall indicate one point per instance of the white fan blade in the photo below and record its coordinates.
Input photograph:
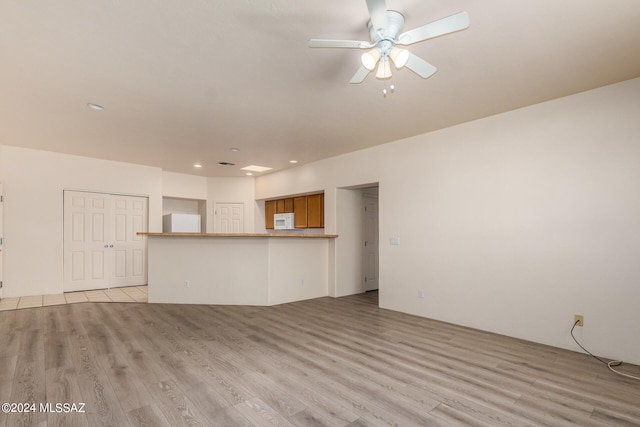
(340, 43)
(378, 13)
(420, 66)
(360, 75)
(443, 26)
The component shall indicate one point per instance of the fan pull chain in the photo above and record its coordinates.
(389, 91)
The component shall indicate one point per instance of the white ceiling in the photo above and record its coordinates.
(183, 82)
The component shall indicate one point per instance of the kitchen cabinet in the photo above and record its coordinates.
(308, 210)
(300, 212)
(284, 205)
(269, 211)
(315, 211)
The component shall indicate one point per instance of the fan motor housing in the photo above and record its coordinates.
(396, 24)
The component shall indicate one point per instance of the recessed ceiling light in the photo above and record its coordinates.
(254, 168)
(95, 106)
(235, 150)
(197, 165)
(293, 161)
(249, 173)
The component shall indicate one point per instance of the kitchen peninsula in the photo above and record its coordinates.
(238, 269)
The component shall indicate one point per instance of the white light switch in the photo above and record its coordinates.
(394, 240)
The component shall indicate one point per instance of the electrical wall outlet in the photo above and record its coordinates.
(420, 293)
(578, 319)
(187, 284)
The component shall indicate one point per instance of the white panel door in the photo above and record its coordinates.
(229, 218)
(85, 241)
(371, 255)
(101, 248)
(128, 217)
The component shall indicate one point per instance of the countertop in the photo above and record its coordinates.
(297, 235)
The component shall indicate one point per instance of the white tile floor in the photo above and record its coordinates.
(129, 294)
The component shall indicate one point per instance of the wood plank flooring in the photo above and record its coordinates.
(321, 362)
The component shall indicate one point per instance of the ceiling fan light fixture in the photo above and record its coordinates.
(400, 57)
(385, 32)
(384, 69)
(370, 59)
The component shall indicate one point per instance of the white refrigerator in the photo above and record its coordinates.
(181, 223)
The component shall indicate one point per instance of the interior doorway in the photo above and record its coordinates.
(357, 248)
(370, 227)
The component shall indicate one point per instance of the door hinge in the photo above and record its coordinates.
(365, 279)
(1, 199)
(1, 284)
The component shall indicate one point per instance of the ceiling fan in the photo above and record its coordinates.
(385, 32)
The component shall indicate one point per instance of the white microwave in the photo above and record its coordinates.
(283, 221)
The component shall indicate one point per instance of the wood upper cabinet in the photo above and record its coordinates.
(288, 205)
(284, 205)
(269, 210)
(308, 210)
(300, 212)
(315, 211)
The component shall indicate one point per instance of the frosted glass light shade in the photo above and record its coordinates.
(384, 69)
(370, 59)
(399, 57)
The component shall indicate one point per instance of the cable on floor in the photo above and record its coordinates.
(610, 364)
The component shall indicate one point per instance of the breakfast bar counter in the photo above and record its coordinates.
(238, 269)
(276, 235)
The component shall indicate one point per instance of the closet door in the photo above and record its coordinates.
(101, 248)
(85, 241)
(128, 257)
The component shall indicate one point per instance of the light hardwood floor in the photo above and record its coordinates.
(329, 362)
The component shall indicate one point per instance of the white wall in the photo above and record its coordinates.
(179, 185)
(244, 270)
(297, 269)
(172, 205)
(219, 270)
(33, 183)
(510, 224)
